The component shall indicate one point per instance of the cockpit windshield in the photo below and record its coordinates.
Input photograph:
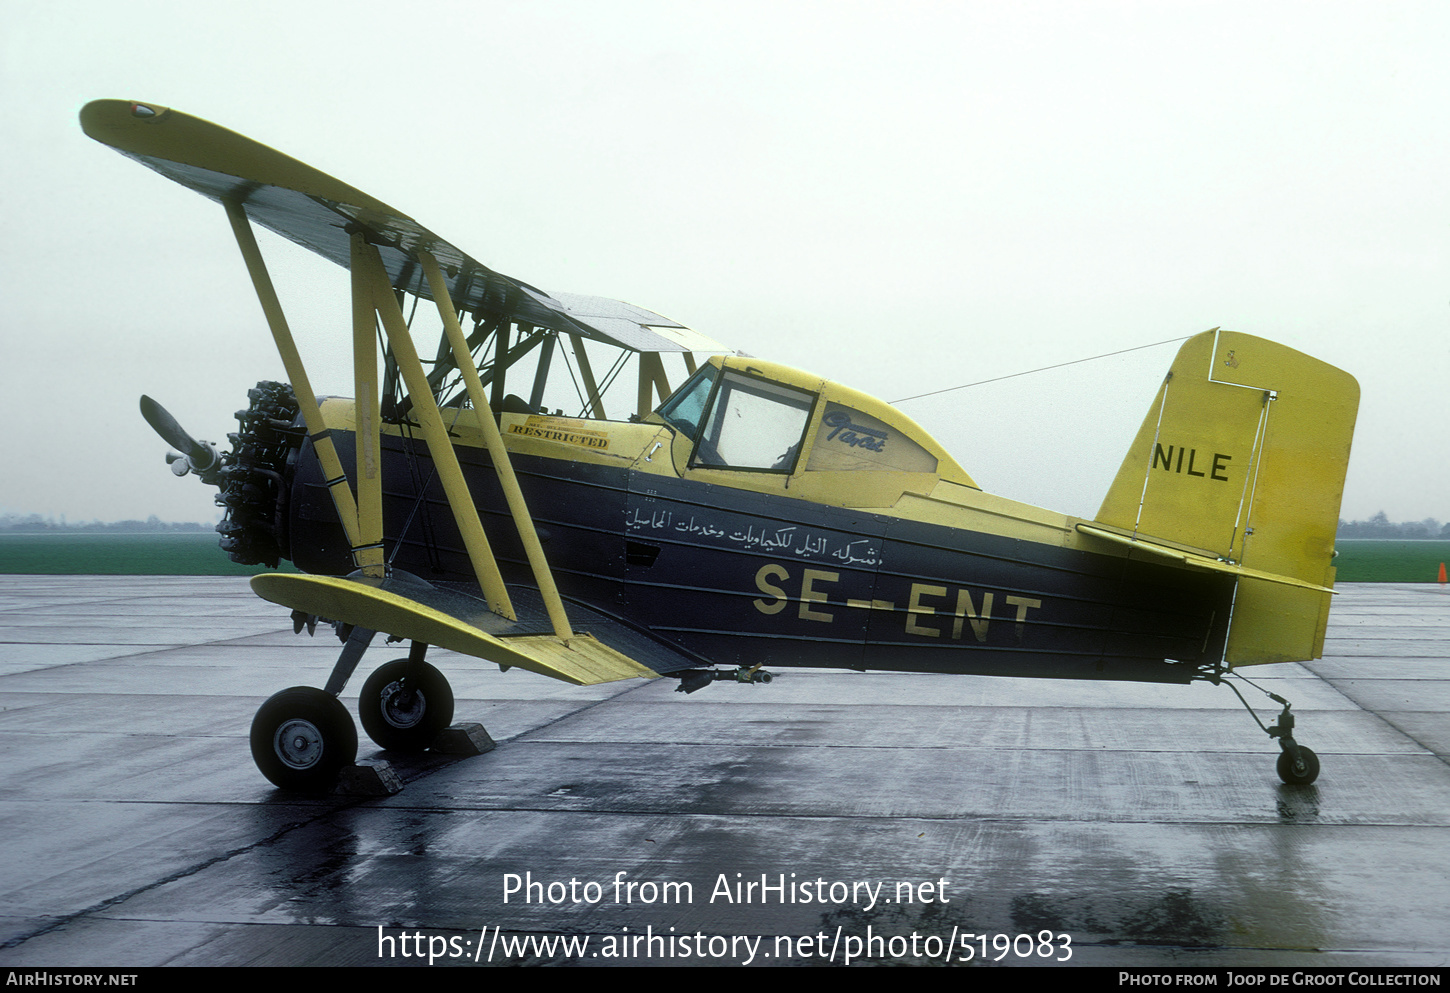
(754, 424)
(684, 410)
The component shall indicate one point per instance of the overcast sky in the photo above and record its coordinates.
(899, 196)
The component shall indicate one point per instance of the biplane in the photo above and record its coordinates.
(756, 516)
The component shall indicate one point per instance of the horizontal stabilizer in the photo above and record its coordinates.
(1194, 560)
(582, 660)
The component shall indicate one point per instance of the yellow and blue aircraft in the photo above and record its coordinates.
(755, 516)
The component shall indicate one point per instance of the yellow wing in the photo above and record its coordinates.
(407, 607)
(318, 212)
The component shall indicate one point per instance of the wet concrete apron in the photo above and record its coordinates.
(1111, 824)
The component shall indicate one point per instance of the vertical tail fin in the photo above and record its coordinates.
(1242, 458)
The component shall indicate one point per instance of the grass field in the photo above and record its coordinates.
(166, 554)
(197, 554)
(1368, 560)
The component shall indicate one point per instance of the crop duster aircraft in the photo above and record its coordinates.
(755, 516)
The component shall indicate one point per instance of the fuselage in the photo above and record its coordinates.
(869, 548)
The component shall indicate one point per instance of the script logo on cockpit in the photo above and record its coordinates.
(855, 435)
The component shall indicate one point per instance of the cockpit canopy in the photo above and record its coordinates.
(745, 415)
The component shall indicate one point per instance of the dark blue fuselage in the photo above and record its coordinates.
(732, 577)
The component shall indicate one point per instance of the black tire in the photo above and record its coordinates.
(1302, 773)
(301, 739)
(405, 704)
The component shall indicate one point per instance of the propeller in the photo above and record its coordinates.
(192, 455)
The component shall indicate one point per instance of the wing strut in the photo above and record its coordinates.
(455, 487)
(369, 428)
(596, 403)
(502, 466)
(651, 378)
(301, 387)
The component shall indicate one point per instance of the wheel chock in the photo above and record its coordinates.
(371, 777)
(463, 739)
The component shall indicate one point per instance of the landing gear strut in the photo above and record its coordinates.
(1298, 765)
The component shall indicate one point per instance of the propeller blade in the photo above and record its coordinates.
(170, 430)
(200, 457)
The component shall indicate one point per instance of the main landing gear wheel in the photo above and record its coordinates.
(301, 739)
(1301, 772)
(404, 704)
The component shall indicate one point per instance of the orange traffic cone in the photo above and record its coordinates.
(1442, 572)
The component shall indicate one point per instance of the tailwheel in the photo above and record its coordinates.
(1300, 771)
(404, 704)
(301, 739)
(1297, 766)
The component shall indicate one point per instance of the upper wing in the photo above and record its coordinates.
(319, 212)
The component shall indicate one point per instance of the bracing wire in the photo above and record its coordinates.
(1059, 365)
(613, 373)
(578, 390)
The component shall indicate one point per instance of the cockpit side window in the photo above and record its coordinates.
(754, 424)
(684, 410)
(851, 439)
